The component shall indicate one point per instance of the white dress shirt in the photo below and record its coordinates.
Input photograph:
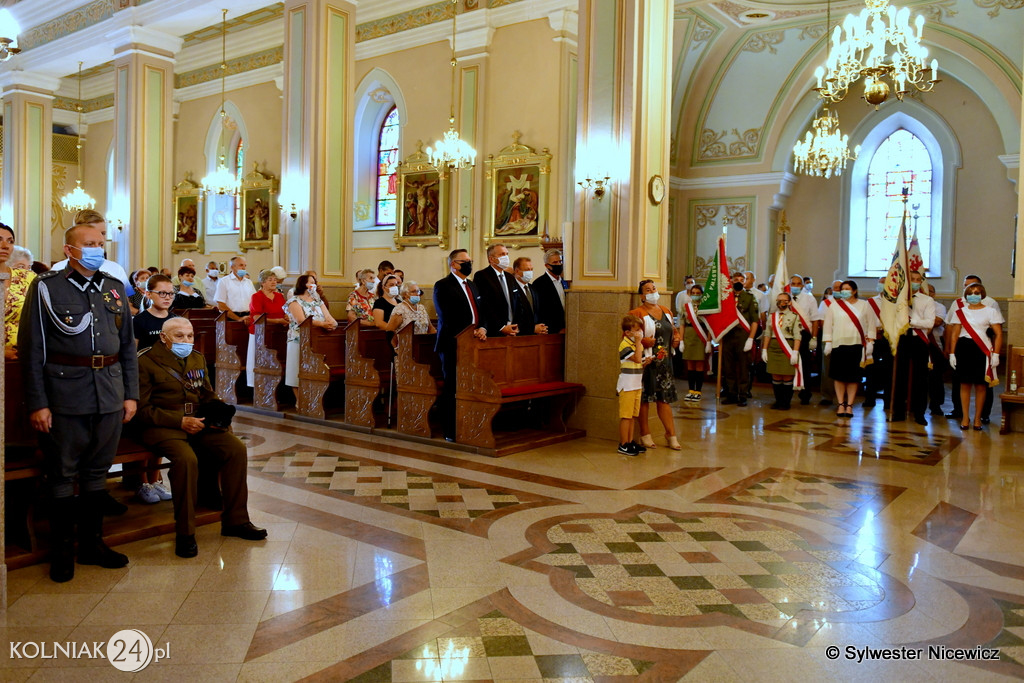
(558, 287)
(235, 293)
(922, 312)
(210, 284)
(469, 297)
(957, 303)
(840, 330)
(502, 275)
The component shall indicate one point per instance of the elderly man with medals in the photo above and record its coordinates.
(181, 419)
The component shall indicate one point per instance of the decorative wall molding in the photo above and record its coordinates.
(712, 145)
(997, 4)
(764, 40)
(937, 11)
(741, 180)
(235, 66)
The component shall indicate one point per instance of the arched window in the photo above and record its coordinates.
(901, 161)
(239, 160)
(387, 168)
(225, 136)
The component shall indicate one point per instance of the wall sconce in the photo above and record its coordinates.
(463, 225)
(598, 185)
(294, 196)
(8, 35)
(119, 213)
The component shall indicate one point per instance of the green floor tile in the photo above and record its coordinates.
(506, 646)
(623, 548)
(643, 570)
(724, 609)
(705, 536)
(646, 537)
(562, 666)
(750, 545)
(763, 581)
(691, 583)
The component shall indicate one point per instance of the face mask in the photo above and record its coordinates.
(556, 270)
(213, 273)
(737, 286)
(916, 286)
(845, 294)
(92, 257)
(242, 273)
(973, 298)
(527, 276)
(880, 287)
(392, 292)
(187, 282)
(466, 268)
(414, 299)
(795, 291)
(782, 305)
(695, 298)
(652, 298)
(503, 261)
(181, 349)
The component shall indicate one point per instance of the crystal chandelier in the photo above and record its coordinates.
(825, 150)
(861, 48)
(78, 199)
(223, 180)
(452, 151)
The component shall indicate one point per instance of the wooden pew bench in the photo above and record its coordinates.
(204, 325)
(232, 340)
(510, 370)
(368, 358)
(418, 379)
(1012, 401)
(271, 342)
(321, 364)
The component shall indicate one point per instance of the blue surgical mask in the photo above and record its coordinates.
(844, 294)
(695, 298)
(242, 273)
(795, 291)
(393, 291)
(973, 298)
(181, 349)
(92, 257)
(414, 300)
(916, 286)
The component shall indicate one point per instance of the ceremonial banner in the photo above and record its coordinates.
(781, 283)
(895, 304)
(718, 306)
(914, 259)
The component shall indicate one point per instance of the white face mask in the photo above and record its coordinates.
(527, 276)
(213, 273)
(652, 298)
(392, 291)
(503, 261)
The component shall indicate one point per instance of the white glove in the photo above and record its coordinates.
(794, 359)
(680, 346)
(870, 349)
(747, 345)
(764, 355)
(828, 348)
(952, 361)
(995, 360)
(707, 348)
(813, 345)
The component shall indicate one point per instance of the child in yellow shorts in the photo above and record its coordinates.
(630, 385)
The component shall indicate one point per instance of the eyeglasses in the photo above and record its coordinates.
(163, 295)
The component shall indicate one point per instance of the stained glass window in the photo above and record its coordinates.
(387, 169)
(901, 161)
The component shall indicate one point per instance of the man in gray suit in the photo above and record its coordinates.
(81, 384)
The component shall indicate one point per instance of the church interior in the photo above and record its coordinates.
(771, 547)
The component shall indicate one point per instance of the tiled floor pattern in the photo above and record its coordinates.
(888, 443)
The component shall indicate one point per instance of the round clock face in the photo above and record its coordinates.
(656, 189)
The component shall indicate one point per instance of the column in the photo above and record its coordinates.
(1015, 321)
(319, 79)
(143, 144)
(623, 131)
(27, 159)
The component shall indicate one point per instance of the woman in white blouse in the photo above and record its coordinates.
(849, 339)
(410, 310)
(974, 358)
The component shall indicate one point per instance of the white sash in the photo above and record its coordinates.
(691, 317)
(981, 343)
(798, 376)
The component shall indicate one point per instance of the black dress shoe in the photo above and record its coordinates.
(728, 399)
(985, 420)
(185, 546)
(247, 531)
(921, 421)
(937, 413)
(741, 401)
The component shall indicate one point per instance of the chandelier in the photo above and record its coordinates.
(452, 151)
(861, 48)
(223, 180)
(8, 35)
(825, 150)
(78, 199)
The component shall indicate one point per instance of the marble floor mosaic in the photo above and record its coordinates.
(747, 556)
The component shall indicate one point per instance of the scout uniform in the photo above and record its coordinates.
(78, 356)
(171, 388)
(735, 364)
(777, 360)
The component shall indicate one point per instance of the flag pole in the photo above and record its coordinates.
(910, 298)
(718, 375)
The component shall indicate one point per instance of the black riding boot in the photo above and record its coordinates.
(62, 539)
(91, 548)
(786, 390)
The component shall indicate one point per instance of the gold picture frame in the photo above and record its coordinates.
(188, 217)
(422, 211)
(259, 210)
(516, 182)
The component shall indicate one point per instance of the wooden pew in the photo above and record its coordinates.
(204, 324)
(232, 338)
(271, 354)
(368, 356)
(418, 377)
(505, 370)
(1011, 400)
(321, 361)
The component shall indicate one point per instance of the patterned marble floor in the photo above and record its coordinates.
(770, 539)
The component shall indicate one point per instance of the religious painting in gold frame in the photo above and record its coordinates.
(188, 215)
(422, 215)
(259, 210)
(516, 182)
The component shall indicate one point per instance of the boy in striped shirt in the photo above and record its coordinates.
(630, 385)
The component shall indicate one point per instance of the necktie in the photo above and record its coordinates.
(472, 302)
(561, 291)
(508, 300)
(529, 295)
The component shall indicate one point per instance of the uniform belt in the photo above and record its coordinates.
(94, 362)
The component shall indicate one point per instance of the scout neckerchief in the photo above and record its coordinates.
(990, 372)
(864, 360)
(798, 377)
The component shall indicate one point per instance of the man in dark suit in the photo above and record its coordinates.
(527, 316)
(458, 306)
(500, 293)
(549, 291)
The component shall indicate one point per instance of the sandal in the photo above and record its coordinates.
(965, 426)
(648, 441)
(673, 443)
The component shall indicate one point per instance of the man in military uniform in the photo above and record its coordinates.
(174, 388)
(736, 345)
(81, 384)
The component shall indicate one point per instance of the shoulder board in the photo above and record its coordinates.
(144, 351)
(110, 277)
(48, 274)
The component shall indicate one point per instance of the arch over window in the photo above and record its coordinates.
(911, 147)
(223, 213)
(387, 168)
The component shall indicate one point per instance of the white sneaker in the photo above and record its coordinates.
(162, 491)
(147, 494)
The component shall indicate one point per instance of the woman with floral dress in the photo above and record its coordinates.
(304, 304)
